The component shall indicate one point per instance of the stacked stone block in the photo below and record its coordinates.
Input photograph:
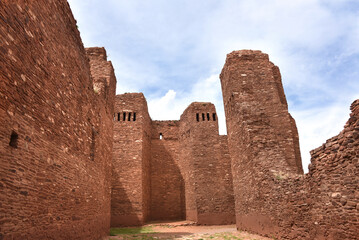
(130, 201)
(55, 131)
(74, 158)
(167, 185)
(207, 175)
(272, 196)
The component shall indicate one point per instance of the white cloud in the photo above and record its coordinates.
(164, 108)
(160, 45)
(171, 105)
(317, 125)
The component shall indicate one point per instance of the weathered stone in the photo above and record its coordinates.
(71, 150)
(55, 132)
(256, 111)
(182, 161)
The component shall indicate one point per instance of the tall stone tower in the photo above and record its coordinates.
(130, 201)
(206, 164)
(169, 170)
(262, 135)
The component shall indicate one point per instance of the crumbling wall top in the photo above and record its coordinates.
(130, 96)
(247, 55)
(97, 52)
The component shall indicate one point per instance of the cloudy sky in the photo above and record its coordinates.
(173, 52)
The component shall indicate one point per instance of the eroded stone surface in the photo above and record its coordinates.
(55, 131)
(74, 156)
(178, 169)
(272, 197)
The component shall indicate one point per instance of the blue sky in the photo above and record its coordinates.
(173, 52)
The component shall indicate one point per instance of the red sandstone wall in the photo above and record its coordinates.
(334, 179)
(260, 131)
(207, 175)
(146, 163)
(186, 167)
(167, 185)
(257, 111)
(103, 76)
(168, 178)
(54, 178)
(271, 199)
(131, 161)
(322, 204)
(262, 139)
(225, 181)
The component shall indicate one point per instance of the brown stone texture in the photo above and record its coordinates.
(206, 167)
(272, 196)
(55, 131)
(167, 185)
(261, 135)
(257, 117)
(75, 158)
(187, 164)
(130, 201)
(334, 183)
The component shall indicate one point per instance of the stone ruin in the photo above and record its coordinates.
(76, 159)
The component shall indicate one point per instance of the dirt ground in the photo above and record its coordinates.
(187, 230)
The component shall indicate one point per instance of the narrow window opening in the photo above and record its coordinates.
(214, 117)
(203, 118)
(197, 117)
(13, 139)
(208, 117)
(124, 116)
(134, 116)
(93, 144)
(118, 116)
(161, 136)
(129, 116)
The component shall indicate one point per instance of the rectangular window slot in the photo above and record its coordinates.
(134, 116)
(161, 136)
(118, 116)
(197, 117)
(203, 118)
(129, 116)
(13, 139)
(207, 116)
(124, 116)
(214, 117)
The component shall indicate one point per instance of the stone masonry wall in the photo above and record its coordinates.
(259, 127)
(333, 180)
(272, 197)
(131, 155)
(186, 167)
(103, 76)
(322, 204)
(255, 103)
(207, 175)
(168, 175)
(54, 178)
(167, 185)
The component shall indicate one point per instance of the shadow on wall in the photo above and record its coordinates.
(167, 183)
(122, 211)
